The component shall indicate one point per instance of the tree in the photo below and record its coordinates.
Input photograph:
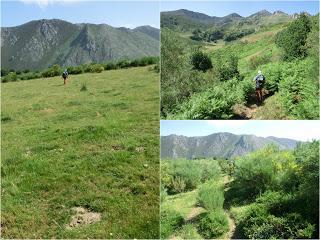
(292, 40)
(201, 61)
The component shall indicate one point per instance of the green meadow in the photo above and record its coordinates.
(93, 143)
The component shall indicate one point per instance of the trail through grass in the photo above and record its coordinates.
(97, 149)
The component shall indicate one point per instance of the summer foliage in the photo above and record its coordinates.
(206, 77)
(267, 194)
(92, 143)
(56, 70)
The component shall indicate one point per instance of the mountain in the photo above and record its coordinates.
(223, 145)
(38, 44)
(186, 20)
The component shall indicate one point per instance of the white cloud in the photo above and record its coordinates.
(45, 3)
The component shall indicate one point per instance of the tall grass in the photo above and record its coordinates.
(211, 196)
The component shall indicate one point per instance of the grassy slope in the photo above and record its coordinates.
(258, 43)
(57, 153)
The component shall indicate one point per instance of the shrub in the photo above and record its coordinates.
(211, 196)
(215, 103)
(290, 226)
(256, 172)
(83, 87)
(170, 221)
(292, 40)
(201, 61)
(110, 66)
(29, 75)
(123, 63)
(75, 70)
(53, 71)
(4, 72)
(213, 224)
(10, 77)
(178, 81)
(178, 184)
(227, 66)
(184, 175)
(189, 231)
(96, 68)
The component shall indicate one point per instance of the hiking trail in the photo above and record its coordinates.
(250, 108)
(232, 225)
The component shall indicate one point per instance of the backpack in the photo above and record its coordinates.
(65, 74)
(260, 79)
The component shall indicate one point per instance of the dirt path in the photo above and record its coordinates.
(232, 226)
(245, 111)
(194, 213)
(248, 110)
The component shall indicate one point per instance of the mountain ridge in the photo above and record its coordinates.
(188, 20)
(221, 145)
(41, 43)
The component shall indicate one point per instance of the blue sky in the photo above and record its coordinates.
(244, 8)
(117, 13)
(295, 129)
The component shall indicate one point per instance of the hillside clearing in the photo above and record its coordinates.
(58, 153)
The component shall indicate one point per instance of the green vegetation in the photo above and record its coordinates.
(56, 70)
(280, 204)
(223, 87)
(198, 208)
(269, 194)
(97, 149)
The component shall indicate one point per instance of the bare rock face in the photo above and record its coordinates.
(83, 217)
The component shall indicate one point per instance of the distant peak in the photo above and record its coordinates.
(279, 13)
(261, 13)
(234, 15)
(264, 11)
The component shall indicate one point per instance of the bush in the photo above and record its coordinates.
(29, 75)
(170, 221)
(213, 224)
(290, 226)
(4, 72)
(110, 66)
(10, 77)
(184, 175)
(231, 36)
(201, 61)
(178, 81)
(123, 64)
(211, 196)
(259, 171)
(292, 40)
(75, 70)
(215, 103)
(53, 71)
(226, 66)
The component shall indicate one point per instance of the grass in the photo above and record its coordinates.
(183, 203)
(62, 147)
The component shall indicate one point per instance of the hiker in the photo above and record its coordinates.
(65, 76)
(260, 80)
